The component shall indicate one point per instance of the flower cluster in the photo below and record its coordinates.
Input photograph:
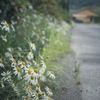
(7, 28)
(22, 76)
(23, 71)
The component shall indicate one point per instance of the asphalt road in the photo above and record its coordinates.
(86, 44)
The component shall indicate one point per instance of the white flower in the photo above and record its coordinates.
(1, 64)
(12, 28)
(29, 71)
(19, 54)
(24, 19)
(28, 63)
(25, 98)
(43, 37)
(43, 32)
(28, 16)
(51, 74)
(30, 76)
(42, 70)
(17, 71)
(30, 55)
(49, 91)
(32, 45)
(38, 88)
(30, 7)
(2, 84)
(13, 64)
(5, 26)
(43, 42)
(18, 93)
(10, 49)
(29, 91)
(35, 63)
(41, 58)
(35, 96)
(6, 76)
(32, 79)
(4, 38)
(19, 48)
(35, 15)
(42, 78)
(22, 64)
(43, 64)
(7, 54)
(15, 88)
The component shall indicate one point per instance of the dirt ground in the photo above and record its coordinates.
(67, 85)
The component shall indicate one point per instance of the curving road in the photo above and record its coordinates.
(86, 45)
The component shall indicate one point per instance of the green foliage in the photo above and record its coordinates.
(97, 19)
(53, 8)
(59, 44)
(11, 9)
(64, 4)
(81, 3)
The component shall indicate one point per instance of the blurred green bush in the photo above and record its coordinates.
(97, 19)
(51, 7)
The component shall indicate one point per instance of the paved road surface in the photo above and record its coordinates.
(86, 45)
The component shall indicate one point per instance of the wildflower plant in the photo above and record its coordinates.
(22, 77)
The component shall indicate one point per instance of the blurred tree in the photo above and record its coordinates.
(54, 8)
(64, 4)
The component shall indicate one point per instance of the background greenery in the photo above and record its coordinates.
(92, 4)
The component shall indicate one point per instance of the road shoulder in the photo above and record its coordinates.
(67, 85)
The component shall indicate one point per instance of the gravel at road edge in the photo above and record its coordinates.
(68, 88)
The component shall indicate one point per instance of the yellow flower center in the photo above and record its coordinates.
(44, 49)
(6, 75)
(15, 22)
(13, 87)
(23, 63)
(14, 60)
(50, 90)
(27, 98)
(43, 70)
(47, 56)
(0, 61)
(38, 85)
(27, 85)
(4, 37)
(41, 14)
(33, 45)
(43, 93)
(29, 71)
(37, 94)
(32, 77)
(52, 72)
(31, 90)
(2, 83)
(24, 38)
(44, 63)
(49, 98)
(18, 69)
(7, 25)
(36, 70)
